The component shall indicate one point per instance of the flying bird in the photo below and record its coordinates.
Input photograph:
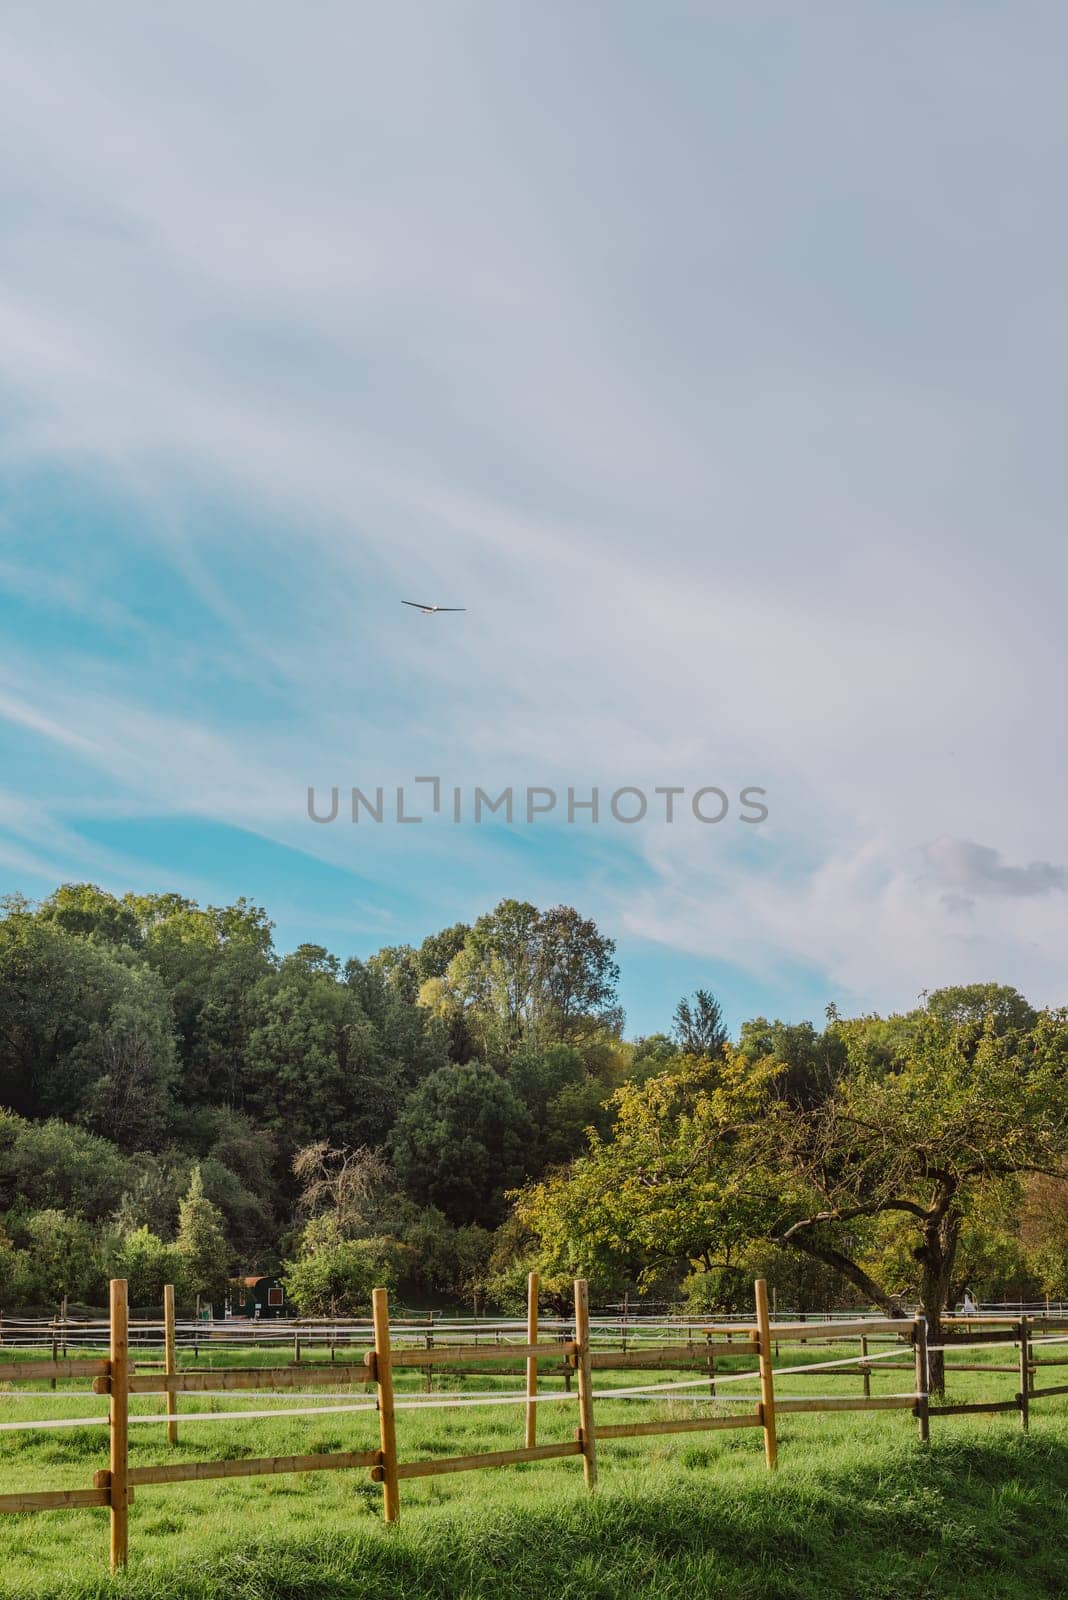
(428, 611)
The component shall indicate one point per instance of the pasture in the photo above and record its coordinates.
(857, 1506)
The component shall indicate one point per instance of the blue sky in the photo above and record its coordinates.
(712, 355)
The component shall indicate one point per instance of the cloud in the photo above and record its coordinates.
(670, 361)
(965, 868)
(869, 929)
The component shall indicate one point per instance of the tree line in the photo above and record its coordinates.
(183, 1103)
(164, 1073)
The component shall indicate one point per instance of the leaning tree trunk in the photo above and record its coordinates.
(937, 1256)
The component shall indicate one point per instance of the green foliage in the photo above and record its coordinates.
(575, 1110)
(92, 913)
(930, 1125)
(650, 1055)
(130, 1098)
(247, 1218)
(173, 1029)
(210, 962)
(438, 949)
(1044, 1232)
(797, 1282)
(699, 1028)
(888, 1151)
(525, 975)
(514, 1254)
(994, 1004)
(335, 1278)
(316, 1061)
(434, 1259)
(57, 1259)
(671, 1190)
(459, 1143)
(147, 1263)
(201, 1242)
(229, 1137)
(718, 1291)
(87, 1032)
(409, 1037)
(159, 1183)
(562, 1099)
(9, 1271)
(805, 1064)
(158, 1057)
(54, 1166)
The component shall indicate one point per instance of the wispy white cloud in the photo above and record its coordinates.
(672, 360)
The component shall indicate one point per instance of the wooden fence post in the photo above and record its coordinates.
(1025, 1375)
(55, 1347)
(387, 1421)
(118, 1425)
(865, 1371)
(919, 1344)
(170, 1361)
(587, 1437)
(531, 1434)
(767, 1380)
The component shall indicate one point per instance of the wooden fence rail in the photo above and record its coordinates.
(116, 1377)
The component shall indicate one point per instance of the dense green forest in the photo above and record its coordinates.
(180, 1103)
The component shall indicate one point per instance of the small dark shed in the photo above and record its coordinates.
(261, 1296)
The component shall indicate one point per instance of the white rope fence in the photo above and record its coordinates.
(645, 1392)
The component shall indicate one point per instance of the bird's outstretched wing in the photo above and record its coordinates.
(450, 608)
(418, 604)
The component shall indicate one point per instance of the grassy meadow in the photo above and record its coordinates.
(857, 1507)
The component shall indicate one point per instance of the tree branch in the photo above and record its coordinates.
(848, 1269)
(847, 1214)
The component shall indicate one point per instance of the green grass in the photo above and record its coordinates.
(857, 1508)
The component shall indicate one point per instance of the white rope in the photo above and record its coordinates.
(741, 1377)
(646, 1392)
(232, 1416)
(44, 1394)
(513, 1399)
(57, 1422)
(849, 1361)
(650, 1390)
(186, 1416)
(189, 1394)
(740, 1399)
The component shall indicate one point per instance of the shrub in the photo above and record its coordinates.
(336, 1279)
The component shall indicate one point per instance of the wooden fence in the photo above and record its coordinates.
(117, 1377)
